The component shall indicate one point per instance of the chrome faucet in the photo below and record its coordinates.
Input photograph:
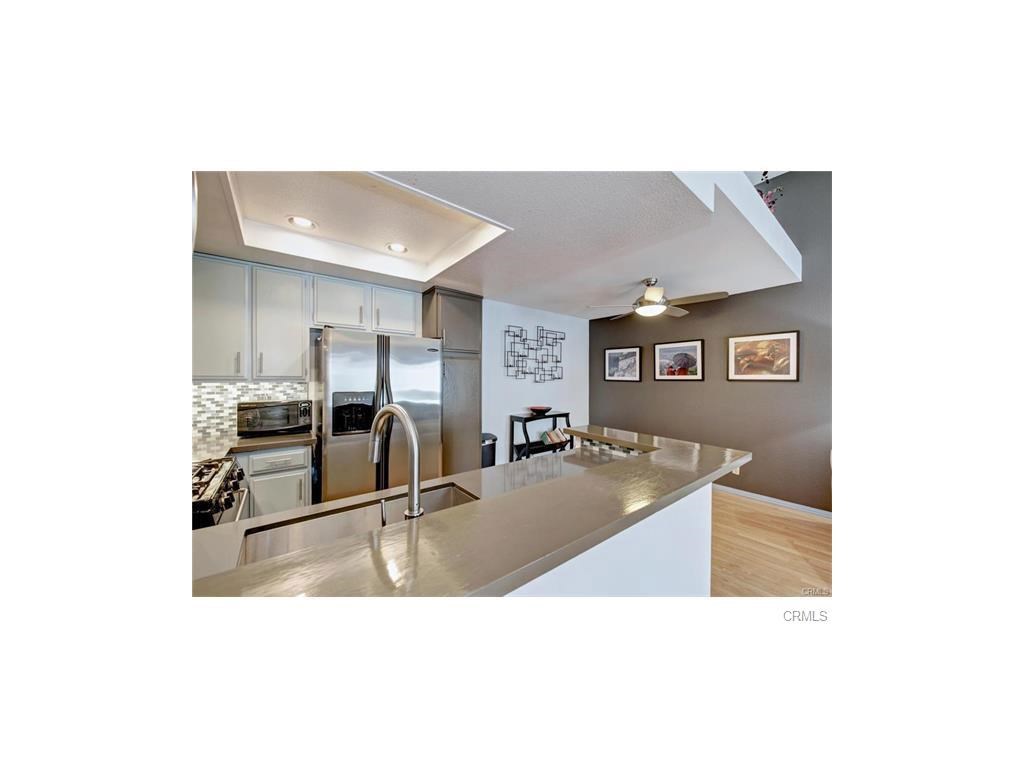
(412, 437)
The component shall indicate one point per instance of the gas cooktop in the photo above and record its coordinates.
(216, 485)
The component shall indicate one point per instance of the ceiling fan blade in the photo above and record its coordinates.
(674, 311)
(654, 293)
(607, 306)
(625, 314)
(698, 298)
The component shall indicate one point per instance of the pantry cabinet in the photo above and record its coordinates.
(460, 413)
(281, 325)
(220, 319)
(453, 317)
(456, 318)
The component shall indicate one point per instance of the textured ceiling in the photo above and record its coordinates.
(577, 239)
(591, 237)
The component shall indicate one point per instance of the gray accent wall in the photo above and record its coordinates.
(787, 425)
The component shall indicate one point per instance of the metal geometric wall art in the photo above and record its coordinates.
(540, 357)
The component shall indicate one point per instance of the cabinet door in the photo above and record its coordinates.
(459, 318)
(341, 303)
(460, 414)
(282, 339)
(278, 492)
(394, 311)
(220, 319)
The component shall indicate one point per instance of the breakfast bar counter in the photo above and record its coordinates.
(584, 521)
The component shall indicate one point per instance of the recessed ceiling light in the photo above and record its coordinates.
(302, 222)
(397, 248)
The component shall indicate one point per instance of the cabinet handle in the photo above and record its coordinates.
(378, 317)
(443, 339)
(360, 314)
(238, 362)
(305, 369)
(261, 362)
(302, 489)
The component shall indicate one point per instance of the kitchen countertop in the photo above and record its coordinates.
(217, 447)
(531, 516)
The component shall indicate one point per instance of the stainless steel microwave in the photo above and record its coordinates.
(275, 417)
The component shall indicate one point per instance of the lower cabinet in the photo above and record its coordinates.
(278, 491)
(278, 479)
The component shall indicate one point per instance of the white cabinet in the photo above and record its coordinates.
(341, 303)
(276, 460)
(278, 491)
(220, 319)
(278, 479)
(252, 322)
(394, 311)
(281, 328)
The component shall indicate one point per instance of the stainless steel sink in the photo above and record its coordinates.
(261, 543)
(434, 500)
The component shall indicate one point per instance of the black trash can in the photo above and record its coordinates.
(488, 443)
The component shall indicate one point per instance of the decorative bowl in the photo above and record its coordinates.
(539, 410)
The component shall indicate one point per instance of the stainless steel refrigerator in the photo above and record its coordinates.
(356, 374)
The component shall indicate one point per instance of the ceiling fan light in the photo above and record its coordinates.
(650, 310)
(654, 293)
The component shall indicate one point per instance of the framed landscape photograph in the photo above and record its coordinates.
(679, 361)
(622, 364)
(766, 357)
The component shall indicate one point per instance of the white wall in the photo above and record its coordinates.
(503, 395)
(666, 555)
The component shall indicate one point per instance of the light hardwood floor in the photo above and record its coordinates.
(760, 549)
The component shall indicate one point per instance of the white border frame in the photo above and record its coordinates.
(794, 368)
(639, 362)
(700, 361)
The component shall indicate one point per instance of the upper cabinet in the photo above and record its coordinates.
(341, 303)
(394, 311)
(252, 322)
(220, 319)
(281, 325)
(453, 317)
(345, 304)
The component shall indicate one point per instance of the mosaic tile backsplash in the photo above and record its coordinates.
(214, 424)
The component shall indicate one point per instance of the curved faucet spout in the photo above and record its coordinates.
(412, 438)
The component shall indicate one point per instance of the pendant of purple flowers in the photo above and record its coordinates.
(770, 196)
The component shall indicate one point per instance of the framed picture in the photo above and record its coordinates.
(767, 357)
(679, 361)
(622, 364)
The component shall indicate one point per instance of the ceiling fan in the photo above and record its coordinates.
(653, 301)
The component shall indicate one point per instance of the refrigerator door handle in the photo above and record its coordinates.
(380, 400)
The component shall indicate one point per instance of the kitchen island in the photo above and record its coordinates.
(624, 514)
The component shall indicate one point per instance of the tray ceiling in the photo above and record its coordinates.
(565, 240)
